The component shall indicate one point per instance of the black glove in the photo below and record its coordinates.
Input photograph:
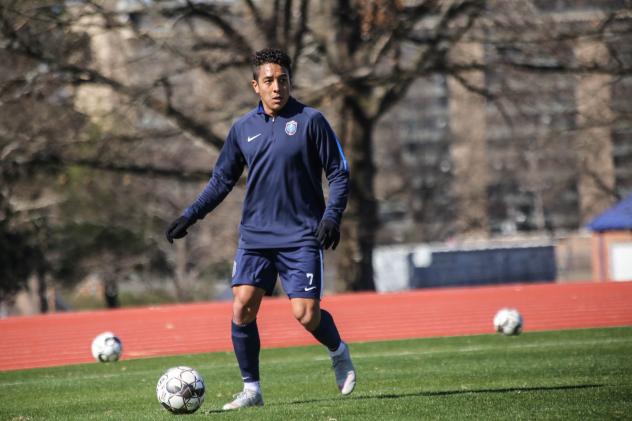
(328, 234)
(178, 228)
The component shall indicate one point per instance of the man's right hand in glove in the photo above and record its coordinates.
(178, 228)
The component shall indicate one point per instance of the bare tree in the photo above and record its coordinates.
(158, 70)
(536, 125)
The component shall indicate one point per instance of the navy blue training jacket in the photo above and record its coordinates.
(285, 157)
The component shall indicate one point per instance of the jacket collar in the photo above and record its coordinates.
(289, 106)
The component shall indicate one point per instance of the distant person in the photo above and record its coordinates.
(285, 224)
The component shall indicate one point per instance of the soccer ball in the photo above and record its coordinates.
(508, 321)
(107, 347)
(180, 390)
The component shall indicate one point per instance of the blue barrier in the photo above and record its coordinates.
(485, 266)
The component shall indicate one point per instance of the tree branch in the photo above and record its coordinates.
(442, 40)
(213, 14)
(299, 34)
(82, 75)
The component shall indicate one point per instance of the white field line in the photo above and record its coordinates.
(483, 348)
(356, 356)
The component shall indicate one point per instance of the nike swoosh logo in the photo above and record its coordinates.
(250, 139)
(310, 288)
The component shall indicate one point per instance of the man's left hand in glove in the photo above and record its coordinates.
(328, 234)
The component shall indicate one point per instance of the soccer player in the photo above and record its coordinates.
(285, 224)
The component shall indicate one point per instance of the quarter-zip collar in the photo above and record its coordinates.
(286, 111)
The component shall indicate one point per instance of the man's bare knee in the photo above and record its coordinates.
(307, 313)
(246, 302)
(243, 313)
(311, 321)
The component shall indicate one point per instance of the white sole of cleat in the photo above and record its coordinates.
(347, 387)
(229, 407)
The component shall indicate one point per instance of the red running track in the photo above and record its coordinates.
(65, 338)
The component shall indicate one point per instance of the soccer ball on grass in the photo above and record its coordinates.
(508, 321)
(107, 347)
(180, 390)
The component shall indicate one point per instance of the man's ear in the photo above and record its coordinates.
(255, 86)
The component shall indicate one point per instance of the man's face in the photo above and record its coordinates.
(273, 87)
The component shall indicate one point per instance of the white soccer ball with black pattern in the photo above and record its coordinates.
(508, 321)
(107, 347)
(180, 390)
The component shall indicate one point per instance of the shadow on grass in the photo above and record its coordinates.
(436, 393)
(475, 391)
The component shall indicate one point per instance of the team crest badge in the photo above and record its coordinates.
(290, 127)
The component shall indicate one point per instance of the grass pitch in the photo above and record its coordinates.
(576, 374)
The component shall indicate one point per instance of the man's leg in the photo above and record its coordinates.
(318, 322)
(321, 324)
(253, 275)
(246, 343)
(301, 271)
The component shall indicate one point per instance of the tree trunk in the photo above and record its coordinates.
(355, 261)
(42, 289)
(111, 292)
(180, 271)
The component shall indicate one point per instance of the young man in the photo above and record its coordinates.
(285, 224)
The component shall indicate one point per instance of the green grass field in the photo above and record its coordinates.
(577, 374)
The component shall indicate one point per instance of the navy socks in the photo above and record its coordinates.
(246, 344)
(327, 333)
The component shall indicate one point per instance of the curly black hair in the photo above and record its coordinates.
(270, 55)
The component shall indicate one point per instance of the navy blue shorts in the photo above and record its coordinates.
(300, 270)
